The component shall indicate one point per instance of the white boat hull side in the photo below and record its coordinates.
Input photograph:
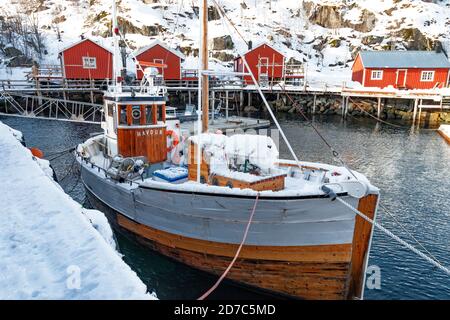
(218, 218)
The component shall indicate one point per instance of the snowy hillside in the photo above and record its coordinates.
(325, 34)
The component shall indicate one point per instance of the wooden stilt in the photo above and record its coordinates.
(420, 112)
(379, 108)
(226, 105)
(314, 104)
(416, 102)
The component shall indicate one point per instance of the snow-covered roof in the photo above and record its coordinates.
(162, 44)
(404, 59)
(259, 45)
(83, 40)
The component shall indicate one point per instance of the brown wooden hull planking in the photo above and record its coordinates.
(306, 272)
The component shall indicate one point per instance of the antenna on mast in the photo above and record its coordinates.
(117, 77)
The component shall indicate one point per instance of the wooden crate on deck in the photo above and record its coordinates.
(274, 183)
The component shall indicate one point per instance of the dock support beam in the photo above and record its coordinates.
(226, 105)
(213, 110)
(420, 112)
(416, 103)
(314, 104)
(379, 108)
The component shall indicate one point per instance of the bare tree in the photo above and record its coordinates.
(36, 37)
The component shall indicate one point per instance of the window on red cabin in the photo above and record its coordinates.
(427, 76)
(376, 75)
(89, 63)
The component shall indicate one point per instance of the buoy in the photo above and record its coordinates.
(175, 139)
(37, 153)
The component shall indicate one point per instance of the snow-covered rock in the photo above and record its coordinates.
(306, 31)
(51, 247)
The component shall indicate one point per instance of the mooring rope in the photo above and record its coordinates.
(396, 238)
(224, 274)
(409, 233)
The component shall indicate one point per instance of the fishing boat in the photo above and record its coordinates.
(197, 199)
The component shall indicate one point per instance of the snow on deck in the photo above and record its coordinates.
(49, 245)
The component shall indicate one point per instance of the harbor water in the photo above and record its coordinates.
(411, 167)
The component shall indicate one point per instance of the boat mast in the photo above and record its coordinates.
(117, 79)
(204, 61)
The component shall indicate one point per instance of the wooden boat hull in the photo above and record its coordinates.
(302, 270)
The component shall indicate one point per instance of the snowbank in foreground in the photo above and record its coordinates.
(48, 247)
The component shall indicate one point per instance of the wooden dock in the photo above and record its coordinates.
(232, 123)
(28, 98)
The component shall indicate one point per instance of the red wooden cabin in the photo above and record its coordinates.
(401, 69)
(264, 61)
(158, 52)
(86, 59)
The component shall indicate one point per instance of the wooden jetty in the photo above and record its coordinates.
(230, 94)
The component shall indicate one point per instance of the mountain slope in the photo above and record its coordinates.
(325, 35)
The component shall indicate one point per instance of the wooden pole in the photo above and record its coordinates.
(379, 108)
(416, 102)
(314, 104)
(226, 105)
(205, 79)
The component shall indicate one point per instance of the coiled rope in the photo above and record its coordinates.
(224, 274)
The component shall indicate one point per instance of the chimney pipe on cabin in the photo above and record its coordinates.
(250, 45)
(438, 47)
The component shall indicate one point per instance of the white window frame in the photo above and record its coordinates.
(425, 76)
(374, 72)
(89, 62)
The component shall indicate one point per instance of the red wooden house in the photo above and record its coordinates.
(159, 53)
(86, 59)
(264, 61)
(401, 69)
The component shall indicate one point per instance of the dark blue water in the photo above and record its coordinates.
(412, 169)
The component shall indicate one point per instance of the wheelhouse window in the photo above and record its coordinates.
(376, 75)
(427, 76)
(123, 115)
(135, 115)
(89, 63)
